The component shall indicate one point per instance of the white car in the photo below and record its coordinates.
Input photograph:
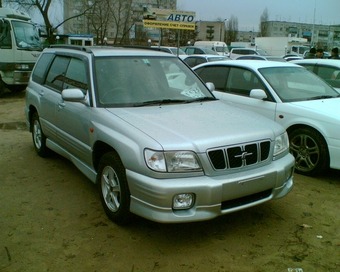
(193, 60)
(327, 69)
(238, 52)
(171, 49)
(292, 96)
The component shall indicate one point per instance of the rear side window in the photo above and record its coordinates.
(216, 75)
(41, 68)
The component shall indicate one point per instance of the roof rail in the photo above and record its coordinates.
(70, 46)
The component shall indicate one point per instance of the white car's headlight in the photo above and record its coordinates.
(281, 144)
(172, 161)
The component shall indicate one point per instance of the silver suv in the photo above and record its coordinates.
(146, 129)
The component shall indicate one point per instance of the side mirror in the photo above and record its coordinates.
(72, 95)
(210, 86)
(258, 94)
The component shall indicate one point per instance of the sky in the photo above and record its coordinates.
(248, 12)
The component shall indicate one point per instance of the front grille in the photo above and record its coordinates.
(239, 156)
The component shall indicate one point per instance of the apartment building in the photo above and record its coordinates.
(111, 20)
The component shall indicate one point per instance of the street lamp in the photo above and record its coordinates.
(57, 39)
(105, 40)
(221, 28)
(149, 42)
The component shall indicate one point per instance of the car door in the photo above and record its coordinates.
(233, 84)
(49, 93)
(74, 118)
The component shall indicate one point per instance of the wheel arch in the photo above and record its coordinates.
(99, 149)
(32, 110)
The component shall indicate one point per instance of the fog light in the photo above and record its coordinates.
(183, 201)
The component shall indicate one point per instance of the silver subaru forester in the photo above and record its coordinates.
(151, 134)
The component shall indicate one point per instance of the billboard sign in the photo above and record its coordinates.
(166, 18)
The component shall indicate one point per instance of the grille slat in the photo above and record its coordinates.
(239, 156)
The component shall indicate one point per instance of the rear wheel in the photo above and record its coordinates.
(310, 151)
(113, 187)
(38, 137)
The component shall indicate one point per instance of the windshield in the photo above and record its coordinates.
(262, 52)
(221, 49)
(180, 51)
(26, 36)
(297, 84)
(137, 81)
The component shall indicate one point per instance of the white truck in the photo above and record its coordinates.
(220, 48)
(20, 47)
(279, 46)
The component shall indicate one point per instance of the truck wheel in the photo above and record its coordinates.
(2, 87)
(310, 151)
(17, 88)
(38, 137)
(113, 188)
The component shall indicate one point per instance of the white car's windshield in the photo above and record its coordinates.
(26, 36)
(138, 81)
(297, 84)
(175, 50)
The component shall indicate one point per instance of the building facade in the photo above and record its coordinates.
(211, 30)
(319, 36)
(111, 20)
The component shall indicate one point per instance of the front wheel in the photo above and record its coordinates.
(38, 137)
(113, 187)
(310, 151)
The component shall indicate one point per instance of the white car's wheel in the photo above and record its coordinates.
(310, 151)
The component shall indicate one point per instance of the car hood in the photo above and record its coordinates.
(199, 126)
(327, 107)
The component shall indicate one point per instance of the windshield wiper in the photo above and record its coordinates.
(322, 97)
(201, 99)
(160, 102)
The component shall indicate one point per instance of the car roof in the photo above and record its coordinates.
(248, 64)
(102, 51)
(204, 56)
(333, 62)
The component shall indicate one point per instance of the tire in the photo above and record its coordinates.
(114, 189)
(310, 151)
(2, 87)
(17, 88)
(38, 137)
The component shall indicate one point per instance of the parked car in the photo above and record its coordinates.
(251, 57)
(237, 52)
(327, 69)
(292, 96)
(157, 143)
(193, 60)
(194, 50)
(171, 49)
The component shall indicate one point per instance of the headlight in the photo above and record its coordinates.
(281, 144)
(21, 66)
(172, 161)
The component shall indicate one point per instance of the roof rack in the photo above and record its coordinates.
(70, 46)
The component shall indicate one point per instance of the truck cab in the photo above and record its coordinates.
(20, 47)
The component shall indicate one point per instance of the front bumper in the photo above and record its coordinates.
(214, 196)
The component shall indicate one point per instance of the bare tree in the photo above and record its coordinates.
(263, 26)
(232, 29)
(98, 20)
(44, 8)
